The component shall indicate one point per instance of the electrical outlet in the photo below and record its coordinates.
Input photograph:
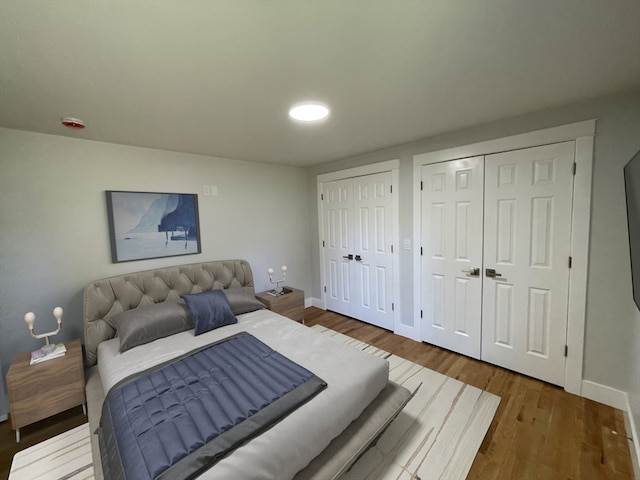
(206, 189)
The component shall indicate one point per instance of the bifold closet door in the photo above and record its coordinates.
(452, 209)
(358, 259)
(528, 201)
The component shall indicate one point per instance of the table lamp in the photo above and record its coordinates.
(278, 290)
(30, 319)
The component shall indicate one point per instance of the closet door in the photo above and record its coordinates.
(358, 223)
(452, 206)
(373, 260)
(339, 246)
(514, 223)
(528, 196)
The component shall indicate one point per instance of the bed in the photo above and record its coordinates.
(319, 439)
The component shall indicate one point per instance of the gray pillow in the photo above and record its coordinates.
(242, 301)
(145, 324)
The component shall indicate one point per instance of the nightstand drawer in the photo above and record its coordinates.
(290, 304)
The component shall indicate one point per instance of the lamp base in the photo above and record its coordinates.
(48, 349)
(276, 293)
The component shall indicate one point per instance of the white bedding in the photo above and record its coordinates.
(354, 379)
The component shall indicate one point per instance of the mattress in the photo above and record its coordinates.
(354, 380)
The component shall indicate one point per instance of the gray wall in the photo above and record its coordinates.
(4, 400)
(54, 236)
(612, 345)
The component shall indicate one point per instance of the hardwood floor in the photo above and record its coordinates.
(539, 431)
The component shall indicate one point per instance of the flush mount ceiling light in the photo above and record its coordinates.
(309, 112)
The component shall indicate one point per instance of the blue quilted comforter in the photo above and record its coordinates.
(178, 419)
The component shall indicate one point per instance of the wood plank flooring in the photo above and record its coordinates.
(539, 431)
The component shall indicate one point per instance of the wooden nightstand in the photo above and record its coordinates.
(289, 305)
(44, 389)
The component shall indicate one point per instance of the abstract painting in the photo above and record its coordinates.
(146, 225)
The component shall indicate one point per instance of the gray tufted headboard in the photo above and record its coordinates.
(110, 296)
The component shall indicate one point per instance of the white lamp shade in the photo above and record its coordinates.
(30, 319)
(57, 312)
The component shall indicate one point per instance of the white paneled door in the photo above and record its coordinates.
(509, 215)
(528, 196)
(358, 227)
(452, 254)
(338, 227)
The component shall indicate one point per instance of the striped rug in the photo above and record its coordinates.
(64, 457)
(438, 433)
(436, 436)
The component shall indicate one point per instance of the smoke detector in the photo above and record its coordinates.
(73, 123)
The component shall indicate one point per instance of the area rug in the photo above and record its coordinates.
(64, 457)
(436, 436)
(438, 433)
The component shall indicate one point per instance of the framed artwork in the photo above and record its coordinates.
(146, 225)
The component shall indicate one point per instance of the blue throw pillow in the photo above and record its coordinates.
(209, 310)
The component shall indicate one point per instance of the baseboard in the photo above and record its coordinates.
(632, 437)
(607, 395)
(402, 330)
(313, 302)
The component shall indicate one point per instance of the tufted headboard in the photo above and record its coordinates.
(110, 296)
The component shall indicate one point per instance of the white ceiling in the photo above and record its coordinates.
(218, 77)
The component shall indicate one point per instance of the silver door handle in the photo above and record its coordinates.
(474, 272)
(491, 273)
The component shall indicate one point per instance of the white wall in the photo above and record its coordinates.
(611, 354)
(54, 236)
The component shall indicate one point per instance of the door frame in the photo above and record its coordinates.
(582, 133)
(392, 166)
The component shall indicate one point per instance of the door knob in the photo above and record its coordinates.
(348, 257)
(491, 273)
(358, 258)
(473, 272)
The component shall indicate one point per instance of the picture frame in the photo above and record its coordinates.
(146, 225)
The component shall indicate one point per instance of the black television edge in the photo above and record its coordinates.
(632, 188)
